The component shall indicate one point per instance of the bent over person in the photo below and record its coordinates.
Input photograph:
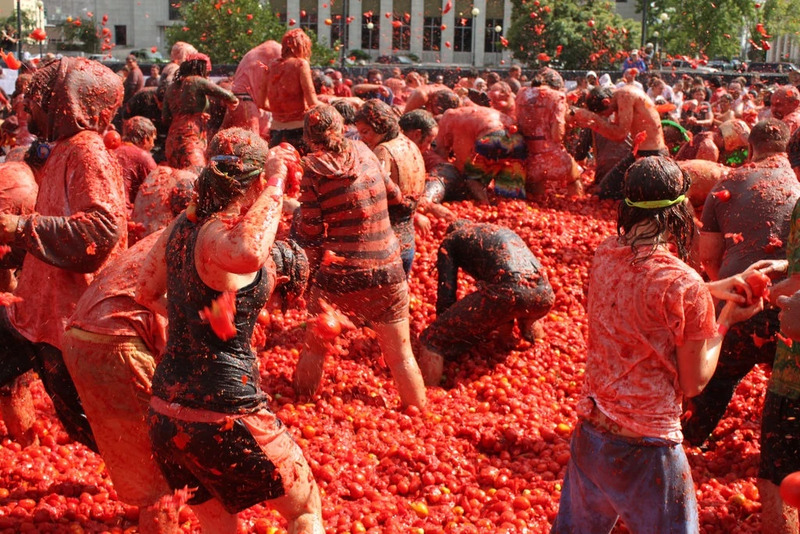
(512, 286)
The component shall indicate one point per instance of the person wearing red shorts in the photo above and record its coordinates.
(344, 199)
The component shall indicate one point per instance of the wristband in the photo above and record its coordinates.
(276, 180)
(722, 330)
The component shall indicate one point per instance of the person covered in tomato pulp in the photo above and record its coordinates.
(185, 110)
(78, 224)
(780, 418)
(627, 460)
(343, 223)
(211, 273)
(511, 286)
(290, 90)
(746, 218)
(378, 127)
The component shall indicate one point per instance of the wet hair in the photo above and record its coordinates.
(296, 43)
(442, 100)
(290, 261)
(598, 98)
(419, 119)
(458, 224)
(181, 195)
(137, 129)
(793, 149)
(222, 181)
(492, 78)
(650, 179)
(324, 126)
(346, 110)
(379, 116)
(770, 135)
(715, 82)
(549, 77)
(195, 65)
(320, 81)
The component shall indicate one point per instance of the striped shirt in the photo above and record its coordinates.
(344, 209)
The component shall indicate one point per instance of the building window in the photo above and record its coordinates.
(401, 32)
(462, 35)
(175, 10)
(432, 33)
(121, 35)
(491, 43)
(337, 33)
(370, 38)
(308, 21)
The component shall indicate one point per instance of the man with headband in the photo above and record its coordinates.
(745, 219)
(79, 225)
(511, 286)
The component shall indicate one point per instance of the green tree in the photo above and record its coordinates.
(226, 29)
(700, 29)
(79, 34)
(581, 34)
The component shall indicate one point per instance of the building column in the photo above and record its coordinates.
(385, 43)
(507, 7)
(323, 13)
(448, 34)
(293, 12)
(354, 28)
(417, 20)
(479, 31)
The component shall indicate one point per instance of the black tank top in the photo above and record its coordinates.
(198, 369)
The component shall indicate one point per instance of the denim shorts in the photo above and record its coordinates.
(645, 481)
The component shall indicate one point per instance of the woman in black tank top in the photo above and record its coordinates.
(210, 424)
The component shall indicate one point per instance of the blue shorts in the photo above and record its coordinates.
(645, 481)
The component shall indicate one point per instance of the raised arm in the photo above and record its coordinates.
(243, 245)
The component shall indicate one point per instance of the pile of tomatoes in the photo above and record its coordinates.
(487, 454)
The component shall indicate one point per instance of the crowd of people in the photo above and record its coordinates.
(136, 267)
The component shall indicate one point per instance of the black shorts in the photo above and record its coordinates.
(780, 438)
(239, 460)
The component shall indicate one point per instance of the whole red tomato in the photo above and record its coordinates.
(112, 139)
(790, 489)
(327, 325)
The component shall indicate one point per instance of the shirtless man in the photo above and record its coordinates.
(785, 105)
(421, 96)
(290, 89)
(541, 116)
(249, 86)
(634, 115)
(484, 150)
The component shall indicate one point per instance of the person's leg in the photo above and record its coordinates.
(308, 373)
(583, 508)
(395, 341)
(431, 365)
(160, 518)
(18, 412)
(214, 519)
(780, 456)
(302, 507)
(61, 389)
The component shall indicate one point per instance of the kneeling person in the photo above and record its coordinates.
(511, 285)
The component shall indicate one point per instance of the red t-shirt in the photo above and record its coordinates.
(638, 314)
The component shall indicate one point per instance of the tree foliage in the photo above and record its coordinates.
(226, 29)
(79, 34)
(699, 29)
(579, 35)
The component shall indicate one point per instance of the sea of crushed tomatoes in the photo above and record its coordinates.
(487, 454)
